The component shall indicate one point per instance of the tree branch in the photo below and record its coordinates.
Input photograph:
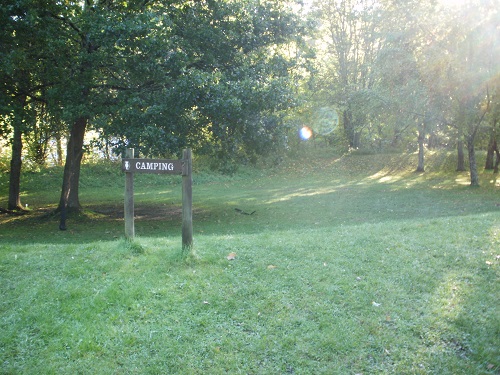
(67, 22)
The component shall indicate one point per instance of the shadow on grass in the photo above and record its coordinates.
(281, 203)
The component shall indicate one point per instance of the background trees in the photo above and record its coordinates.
(396, 71)
(474, 46)
(221, 78)
(349, 43)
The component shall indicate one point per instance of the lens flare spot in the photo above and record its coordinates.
(305, 133)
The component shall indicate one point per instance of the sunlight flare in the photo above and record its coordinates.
(305, 133)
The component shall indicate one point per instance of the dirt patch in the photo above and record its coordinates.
(164, 212)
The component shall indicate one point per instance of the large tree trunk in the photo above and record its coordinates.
(15, 170)
(460, 156)
(474, 176)
(69, 200)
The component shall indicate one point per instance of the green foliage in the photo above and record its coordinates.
(214, 82)
(4, 163)
(213, 76)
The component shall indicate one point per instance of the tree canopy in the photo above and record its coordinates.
(156, 76)
(232, 79)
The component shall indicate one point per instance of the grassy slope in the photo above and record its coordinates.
(349, 265)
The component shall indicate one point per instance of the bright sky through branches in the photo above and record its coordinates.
(451, 3)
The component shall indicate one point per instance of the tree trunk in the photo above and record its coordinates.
(492, 147)
(460, 156)
(496, 151)
(356, 143)
(69, 200)
(474, 177)
(14, 202)
(15, 169)
(59, 149)
(497, 163)
(421, 149)
(349, 128)
(490, 154)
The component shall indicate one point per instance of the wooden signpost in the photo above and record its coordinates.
(183, 167)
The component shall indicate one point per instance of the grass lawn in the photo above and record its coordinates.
(349, 265)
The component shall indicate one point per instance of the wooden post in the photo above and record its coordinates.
(187, 201)
(129, 199)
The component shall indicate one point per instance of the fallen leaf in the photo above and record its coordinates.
(231, 256)
(271, 267)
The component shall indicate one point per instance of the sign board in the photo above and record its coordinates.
(153, 166)
(182, 167)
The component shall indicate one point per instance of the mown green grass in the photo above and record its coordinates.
(351, 265)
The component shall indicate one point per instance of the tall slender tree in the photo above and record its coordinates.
(23, 76)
